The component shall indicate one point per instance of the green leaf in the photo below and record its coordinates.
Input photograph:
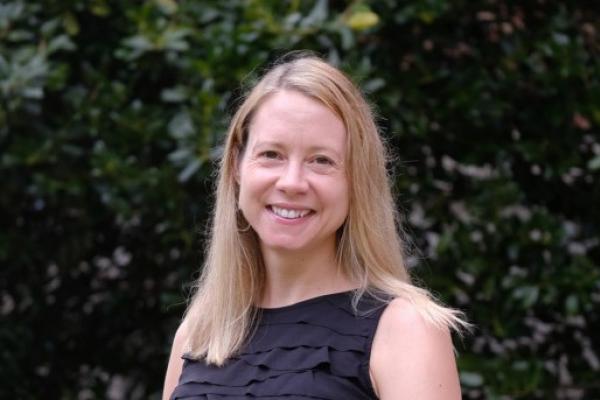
(33, 92)
(594, 163)
(71, 24)
(167, 6)
(62, 42)
(471, 379)
(174, 95)
(189, 170)
(362, 19)
(138, 42)
(100, 8)
(175, 39)
(181, 126)
(572, 304)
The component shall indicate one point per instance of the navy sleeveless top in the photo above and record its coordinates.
(315, 349)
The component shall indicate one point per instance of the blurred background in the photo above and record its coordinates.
(112, 114)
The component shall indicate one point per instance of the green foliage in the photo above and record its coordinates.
(111, 116)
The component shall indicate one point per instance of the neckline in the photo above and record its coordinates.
(302, 303)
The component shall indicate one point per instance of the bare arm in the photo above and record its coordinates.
(411, 358)
(175, 363)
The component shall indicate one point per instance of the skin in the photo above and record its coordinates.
(294, 160)
(175, 363)
(411, 358)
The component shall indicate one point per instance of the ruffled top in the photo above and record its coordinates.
(315, 349)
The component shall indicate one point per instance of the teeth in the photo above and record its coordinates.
(289, 214)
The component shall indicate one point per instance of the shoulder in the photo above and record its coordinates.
(405, 318)
(180, 340)
(412, 356)
(175, 361)
(403, 327)
(181, 333)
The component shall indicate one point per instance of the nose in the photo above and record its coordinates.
(292, 179)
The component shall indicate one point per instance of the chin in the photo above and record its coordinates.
(283, 247)
(287, 243)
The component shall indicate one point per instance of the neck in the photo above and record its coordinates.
(293, 277)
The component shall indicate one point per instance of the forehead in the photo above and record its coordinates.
(295, 118)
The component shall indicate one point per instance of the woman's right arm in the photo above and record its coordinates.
(175, 363)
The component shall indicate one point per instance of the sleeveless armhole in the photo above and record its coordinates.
(365, 375)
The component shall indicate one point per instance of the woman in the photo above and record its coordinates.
(305, 292)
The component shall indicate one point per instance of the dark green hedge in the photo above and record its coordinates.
(111, 116)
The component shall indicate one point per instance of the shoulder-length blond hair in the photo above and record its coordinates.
(369, 249)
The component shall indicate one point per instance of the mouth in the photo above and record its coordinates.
(289, 213)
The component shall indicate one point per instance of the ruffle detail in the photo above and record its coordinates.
(316, 349)
(226, 397)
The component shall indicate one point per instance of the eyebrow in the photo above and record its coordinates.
(268, 143)
(280, 145)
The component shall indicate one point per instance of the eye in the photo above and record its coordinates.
(270, 155)
(322, 160)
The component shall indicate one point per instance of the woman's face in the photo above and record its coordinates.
(293, 184)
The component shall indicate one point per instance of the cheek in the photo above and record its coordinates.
(253, 185)
(340, 199)
(345, 201)
(247, 203)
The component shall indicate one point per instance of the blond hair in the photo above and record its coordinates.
(221, 313)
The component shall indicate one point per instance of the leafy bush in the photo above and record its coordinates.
(112, 114)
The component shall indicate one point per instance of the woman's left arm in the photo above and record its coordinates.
(411, 358)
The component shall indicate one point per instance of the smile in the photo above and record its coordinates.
(287, 213)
